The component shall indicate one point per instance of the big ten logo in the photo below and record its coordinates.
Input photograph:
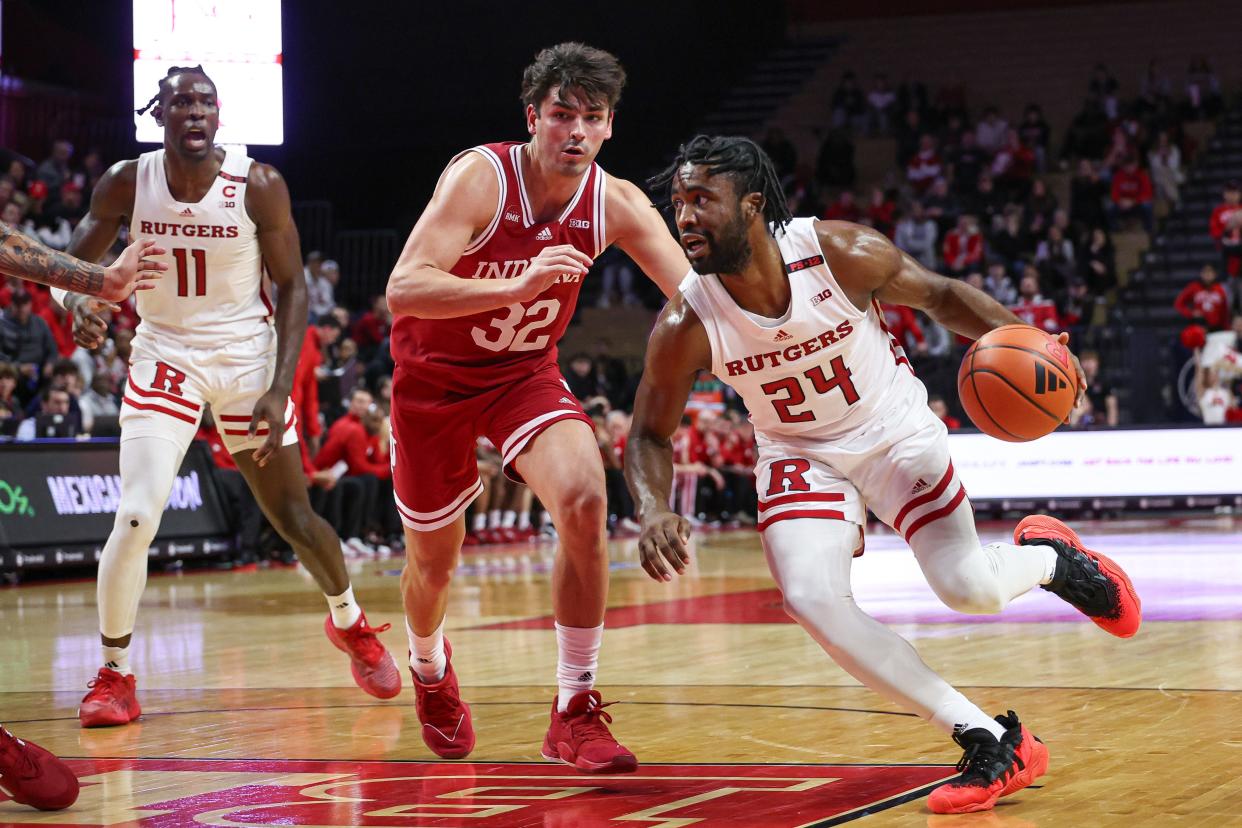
(387, 795)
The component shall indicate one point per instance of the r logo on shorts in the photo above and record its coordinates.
(789, 476)
(168, 379)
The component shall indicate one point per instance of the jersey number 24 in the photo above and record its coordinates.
(792, 386)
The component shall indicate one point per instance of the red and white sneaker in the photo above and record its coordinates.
(111, 700)
(1094, 584)
(32, 776)
(580, 737)
(372, 666)
(447, 729)
(991, 768)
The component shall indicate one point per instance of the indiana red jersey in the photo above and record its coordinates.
(470, 354)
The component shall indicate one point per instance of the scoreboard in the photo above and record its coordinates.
(237, 42)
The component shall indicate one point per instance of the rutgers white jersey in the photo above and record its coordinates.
(213, 291)
(824, 369)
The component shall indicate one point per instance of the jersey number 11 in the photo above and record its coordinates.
(183, 271)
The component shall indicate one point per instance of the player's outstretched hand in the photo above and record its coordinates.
(549, 266)
(89, 328)
(133, 270)
(663, 541)
(1063, 338)
(269, 409)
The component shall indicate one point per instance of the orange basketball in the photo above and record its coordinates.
(1017, 383)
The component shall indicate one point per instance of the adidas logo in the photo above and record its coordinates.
(186, 212)
(587, 676)
(781, 336)
(567, 401)
(919, 485)
(1046, 382)
(342, 605)
(422, 660)
(544, 235)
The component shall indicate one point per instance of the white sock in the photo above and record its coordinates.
(959, 714)
(1050, 563)
(508, 519)
(345, 610)
(577, 660)
(427, 658)
(524, 520)
(480, 521)
(545, 519)
(117, 658)
(493, 519)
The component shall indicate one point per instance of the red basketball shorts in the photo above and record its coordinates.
(434, 474)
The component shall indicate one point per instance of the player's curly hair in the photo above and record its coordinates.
(164, 85)
(739, 158)
(574, 65)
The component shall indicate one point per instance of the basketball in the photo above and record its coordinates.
(1017, 383)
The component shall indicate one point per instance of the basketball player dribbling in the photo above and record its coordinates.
(785, 310)
(207, 338)
(29, 774)
(482, 293)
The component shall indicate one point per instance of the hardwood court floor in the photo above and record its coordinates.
(250, 716)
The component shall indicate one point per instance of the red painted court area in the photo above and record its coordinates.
(485, 795)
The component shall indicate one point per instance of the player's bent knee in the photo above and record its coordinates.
(973, 597)
(138, 520)
(435, 572)
(297, 525)
(582, 507)
(826, 615)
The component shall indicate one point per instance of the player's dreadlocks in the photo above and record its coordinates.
(740, 158)
(173, 70)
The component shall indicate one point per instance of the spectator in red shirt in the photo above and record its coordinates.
(963, 247)
(61, 323)
(843, 208)
(902, 324)
(1013, 167)
(372, 328)
(1226, 228)
(1031, 307)
(305, 394)
(882, 212)
(356, 454)
(1205, 301)
(925, 166)
(1131, 195)
(354, 440)
(938, 407)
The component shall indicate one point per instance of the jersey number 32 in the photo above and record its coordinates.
(503, 333)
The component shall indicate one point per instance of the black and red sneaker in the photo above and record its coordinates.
(1093, 583)
(991, 768)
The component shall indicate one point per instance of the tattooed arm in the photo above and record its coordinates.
(27, 258)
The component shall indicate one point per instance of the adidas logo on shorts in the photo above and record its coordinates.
(544, 235)
(919, 485)
(781, 336)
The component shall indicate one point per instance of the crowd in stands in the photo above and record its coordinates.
(967, 196)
